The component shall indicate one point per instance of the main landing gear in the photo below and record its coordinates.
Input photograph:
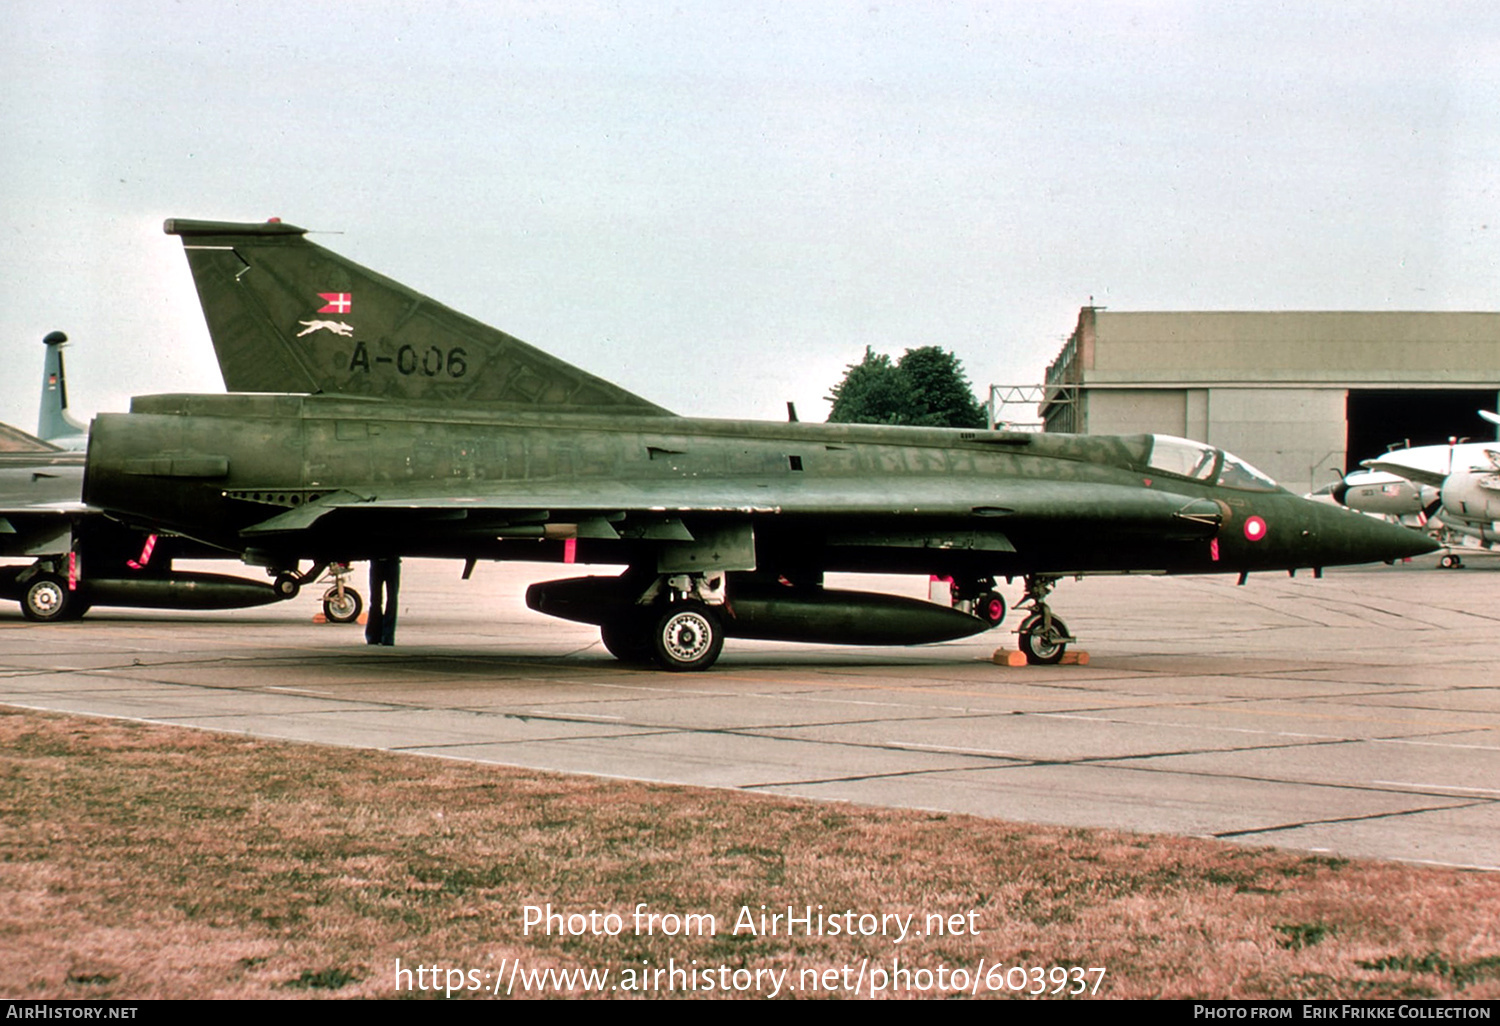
(677, 625)
(688, 635)
(1043, 637)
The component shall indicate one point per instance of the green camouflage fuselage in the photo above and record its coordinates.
(293, 477)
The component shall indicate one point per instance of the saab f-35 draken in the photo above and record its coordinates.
(483, 447)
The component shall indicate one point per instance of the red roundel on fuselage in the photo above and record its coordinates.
(1255, 528)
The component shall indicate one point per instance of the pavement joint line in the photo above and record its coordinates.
(1122, 763)
(1139, 756)
(917, 745)
(1439, 787)
(1319, 738)
(1271, 713)
(855, 778)
(1282, 828)
(438, 746)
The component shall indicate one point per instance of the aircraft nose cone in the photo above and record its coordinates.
(1359, 538)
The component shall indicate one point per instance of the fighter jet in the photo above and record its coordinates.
(483, 447)
(79, 557)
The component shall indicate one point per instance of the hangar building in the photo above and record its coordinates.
(1303, 396)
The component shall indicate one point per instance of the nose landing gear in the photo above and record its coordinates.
(341, 603)
(1042, 637)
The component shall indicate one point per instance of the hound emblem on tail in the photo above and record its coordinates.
(337, 327)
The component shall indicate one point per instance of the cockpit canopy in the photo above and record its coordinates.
(1182, 457)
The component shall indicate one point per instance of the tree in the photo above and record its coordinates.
(926, 387)
(873, 392)
(942, 388)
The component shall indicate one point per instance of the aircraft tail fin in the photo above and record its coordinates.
(287, 315)
(53, 423)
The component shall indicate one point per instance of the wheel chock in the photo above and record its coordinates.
(1012, 657)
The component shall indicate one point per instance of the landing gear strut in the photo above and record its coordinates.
(1043, 637)
(677, 624)
(341, 603)
(289, 582)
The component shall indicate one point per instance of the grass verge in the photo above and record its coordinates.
(142, 861)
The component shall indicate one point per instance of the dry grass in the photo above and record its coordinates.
(142, 861)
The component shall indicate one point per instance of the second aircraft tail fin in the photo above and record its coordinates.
(287, 315)
(53, 423)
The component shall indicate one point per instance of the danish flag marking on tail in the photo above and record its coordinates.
(336, 302)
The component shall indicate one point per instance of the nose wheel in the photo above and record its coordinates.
(341, 603)
(1043, 637)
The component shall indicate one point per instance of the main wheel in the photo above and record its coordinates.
(287, 585)
(628, 639)
(688, 636)
(1043, 646)
(990, 607)
(1450, 561)
(48, 600)
(342, 608)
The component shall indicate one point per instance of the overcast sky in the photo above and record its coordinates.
(720, 205)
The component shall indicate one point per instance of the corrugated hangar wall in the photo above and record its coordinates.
(1302, 395)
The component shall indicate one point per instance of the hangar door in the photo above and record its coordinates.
(1379, 418)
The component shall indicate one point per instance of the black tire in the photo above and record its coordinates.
(990, 607)
(345, 611)
(628, 639)
(687, 636)
(1450, 561)
(1043, 647)
(287, 585)
(48, 600)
